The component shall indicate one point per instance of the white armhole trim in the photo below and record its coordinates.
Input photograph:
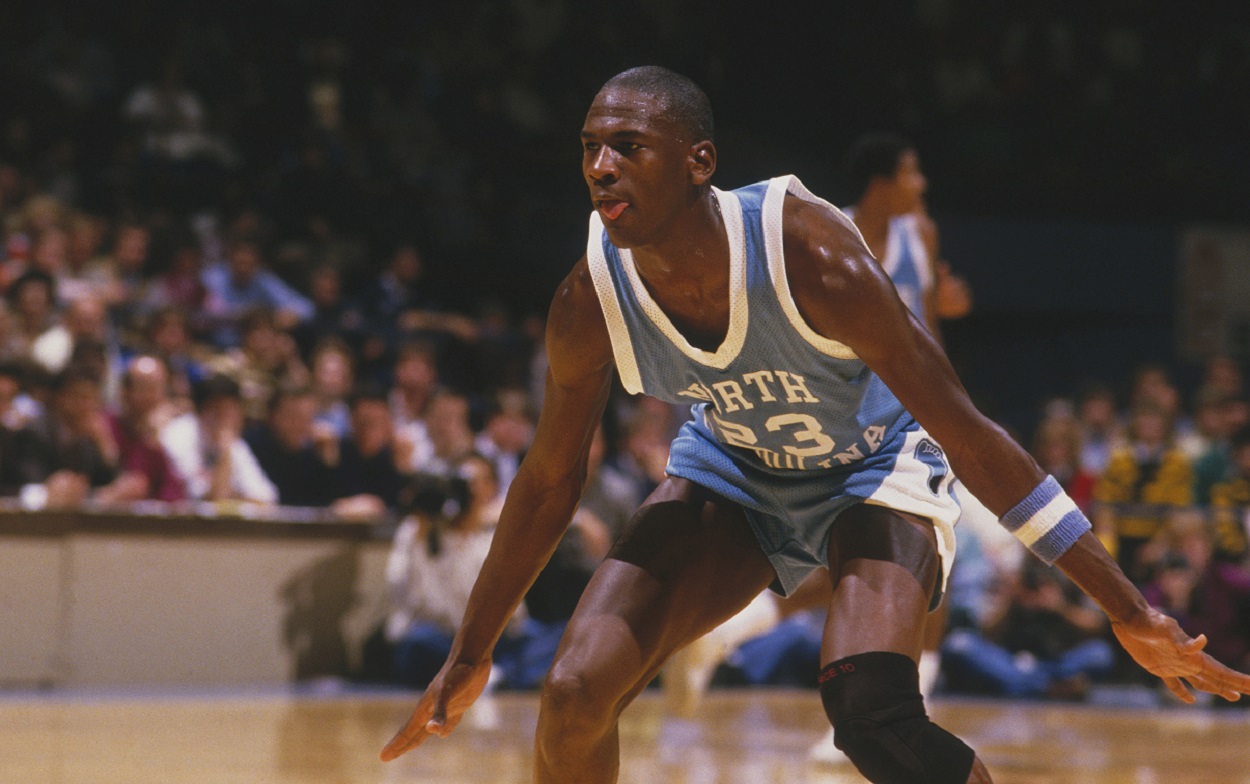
(731, 346)
(774, 200)
(622, 346)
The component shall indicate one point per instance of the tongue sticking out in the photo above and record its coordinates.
(613, 209)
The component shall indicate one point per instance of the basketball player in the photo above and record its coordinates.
(764, 308)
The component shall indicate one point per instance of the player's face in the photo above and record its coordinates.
(635, 162)
(909, 183)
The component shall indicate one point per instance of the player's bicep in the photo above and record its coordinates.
(860, 308)
(579, 378)
(568, 419)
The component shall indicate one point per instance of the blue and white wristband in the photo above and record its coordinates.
(1047, 521)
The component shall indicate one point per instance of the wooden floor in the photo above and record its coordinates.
(759, 737)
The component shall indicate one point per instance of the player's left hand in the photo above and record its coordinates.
(1158, 643)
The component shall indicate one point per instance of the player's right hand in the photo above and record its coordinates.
(442, 706)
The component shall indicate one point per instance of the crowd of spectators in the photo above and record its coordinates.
(245, 269)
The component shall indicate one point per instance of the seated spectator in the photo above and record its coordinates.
(208, 449)
(416, 380)
(1214, 421)
(286, 448)
(608, 495)
(167, 339)
(145, 410)
(435, 558)
(179, 283)
(1046, 639)
(447, 426)
(78, 275)
(367, 477)
(1204, 593)
(32, 305)
(17, 409)
(644, 453)
(507, 434)
(74, 451)
(333, 377)
(122, 273)
(1101, 429)
(396, 307)
(1057, 448)
(49, 253)
(332, 317)
(1230, 502)
(85, 318)
(24, 456)
(1142, 483)
(243, 284)
(265, 358)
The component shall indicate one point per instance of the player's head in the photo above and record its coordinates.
(647, 151)
(681, 102)
(887, 164)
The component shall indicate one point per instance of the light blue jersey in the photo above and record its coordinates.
(789, 424)
(907, 262)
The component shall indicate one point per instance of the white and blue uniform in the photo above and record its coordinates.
(907, 262)
(792, 426)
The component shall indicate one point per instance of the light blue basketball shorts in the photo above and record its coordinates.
(793, 512)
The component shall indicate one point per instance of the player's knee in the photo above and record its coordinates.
(879, 722)
(572, 696)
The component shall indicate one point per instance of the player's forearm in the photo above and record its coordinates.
(1088, 564)
(998, 471)
(534, 517)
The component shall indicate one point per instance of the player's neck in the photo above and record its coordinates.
(692, 245)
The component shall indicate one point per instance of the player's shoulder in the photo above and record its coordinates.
(575, 321)
(575, 299)
(822, 246)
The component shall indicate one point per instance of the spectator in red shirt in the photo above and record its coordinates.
(145, 409)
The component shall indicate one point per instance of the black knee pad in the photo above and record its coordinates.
(874, 702)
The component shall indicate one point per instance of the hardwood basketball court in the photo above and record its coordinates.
(739, 737)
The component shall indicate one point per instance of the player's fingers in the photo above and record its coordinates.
(1215, 686)
(1195, 645)
(1176, 687)
(412, 734)
(1224, 680)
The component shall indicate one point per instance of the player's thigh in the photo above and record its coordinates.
(885, 567)
(686, 562)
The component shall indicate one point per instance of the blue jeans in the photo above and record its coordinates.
(970, 657)
(786, 655)
(522, 658)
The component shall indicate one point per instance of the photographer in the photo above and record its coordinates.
(437, 553)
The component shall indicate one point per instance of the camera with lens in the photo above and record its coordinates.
(436, 496)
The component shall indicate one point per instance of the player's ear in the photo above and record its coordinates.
(702, 162)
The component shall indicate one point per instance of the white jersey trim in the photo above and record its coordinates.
(622, 345)
(731, 346)
(774, 201)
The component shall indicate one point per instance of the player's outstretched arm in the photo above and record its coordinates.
(846, 296)
(1154, 640)
(539, 506)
